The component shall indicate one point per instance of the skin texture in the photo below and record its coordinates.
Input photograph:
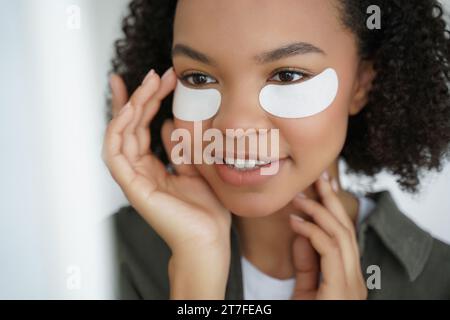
(326, 241)
(240, 81)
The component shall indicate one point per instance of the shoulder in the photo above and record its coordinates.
(143, 257)
(130, 226)
(439, 260)
(411, 260)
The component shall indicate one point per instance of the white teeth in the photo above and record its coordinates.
(242, 164)
(250, 163)
(229, 160)
(262, 163)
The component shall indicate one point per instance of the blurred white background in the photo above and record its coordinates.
(55, 192)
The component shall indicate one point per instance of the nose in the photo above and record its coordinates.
(240, 109)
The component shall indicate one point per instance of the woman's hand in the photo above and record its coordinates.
(326, 246)
(181, 207)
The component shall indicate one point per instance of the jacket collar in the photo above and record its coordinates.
(407, 242)
(404, 239)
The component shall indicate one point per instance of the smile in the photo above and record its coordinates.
(246, 173)
(242, 164)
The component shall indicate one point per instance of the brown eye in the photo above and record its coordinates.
(198, 79)
(287, 76)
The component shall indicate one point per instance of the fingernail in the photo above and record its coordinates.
(335, 185)
(166, 74)
(325, 176)
(297, 218)
(151, 73)
(301, 195)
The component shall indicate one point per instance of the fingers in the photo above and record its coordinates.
(333, 228)
(131, 146)
(167, 85)
(331, 201)
(118, 165)
(331, 263)
(145, 101)
(113, 136)
(182, 169)
(119, 94)
(122, 144)
(331, 217)
(306, 263)
(147, 89)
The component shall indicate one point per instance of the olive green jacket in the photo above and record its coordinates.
(412, 264)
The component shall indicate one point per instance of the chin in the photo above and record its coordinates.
(252, 205)
(255, 201)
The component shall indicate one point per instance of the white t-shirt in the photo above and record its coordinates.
(260, 286)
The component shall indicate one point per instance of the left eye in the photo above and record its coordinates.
(287, 76)
(198, 79)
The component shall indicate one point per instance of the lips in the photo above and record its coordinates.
(247, 176)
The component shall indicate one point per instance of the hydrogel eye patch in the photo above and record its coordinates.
(195, 104)
(303, 99)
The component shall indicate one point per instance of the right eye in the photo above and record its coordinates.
(198, 79)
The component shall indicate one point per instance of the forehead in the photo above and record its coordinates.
(253, 26)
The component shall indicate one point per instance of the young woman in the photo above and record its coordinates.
(205, 231)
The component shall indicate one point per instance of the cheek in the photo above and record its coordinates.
(186, 125)
(317, 138)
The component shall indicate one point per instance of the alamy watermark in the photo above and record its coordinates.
(373, 22)
(73, 278)
(73, 21)
(219, 152)
(374, 280)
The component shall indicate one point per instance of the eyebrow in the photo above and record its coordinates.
(293, 49)
(184, 50)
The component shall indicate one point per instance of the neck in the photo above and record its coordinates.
(266, 241)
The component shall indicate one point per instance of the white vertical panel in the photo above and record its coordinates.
(23, 233)
(56, 192)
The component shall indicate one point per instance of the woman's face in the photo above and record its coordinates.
(227, 35)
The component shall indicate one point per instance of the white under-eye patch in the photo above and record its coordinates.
(303, 99)
(195, 104)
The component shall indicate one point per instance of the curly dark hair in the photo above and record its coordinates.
(405, 126)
